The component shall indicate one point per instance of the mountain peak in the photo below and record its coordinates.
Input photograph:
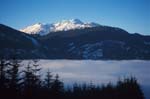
(38, 23)
(73, 21)
(76, 21)
(64, 25)
(69, 22)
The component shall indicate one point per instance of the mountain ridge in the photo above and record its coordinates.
(101, 42)
(64, 25)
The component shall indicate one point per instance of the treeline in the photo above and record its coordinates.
(20, 81)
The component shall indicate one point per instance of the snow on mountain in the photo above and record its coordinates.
(37, 28)
(43, 29)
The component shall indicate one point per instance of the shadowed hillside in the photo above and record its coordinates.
(101, 42)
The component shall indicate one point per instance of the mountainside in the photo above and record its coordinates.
(44, 29)
(13, 42)
(97, 43)
(100, 42)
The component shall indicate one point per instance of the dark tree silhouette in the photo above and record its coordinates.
(48, 80)
(53, 88)
(57, 87)
(3, 66)
(129, 88)
(3, 78)
(28, 80)
(13, 77)
(32, 82)
(36, 74)
(13, 73)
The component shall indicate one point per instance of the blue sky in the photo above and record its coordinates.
(131, 15)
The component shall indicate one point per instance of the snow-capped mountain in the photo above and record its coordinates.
(38, 28)
(43, 29)
(102, 42)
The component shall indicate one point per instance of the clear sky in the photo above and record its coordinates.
(131, 15)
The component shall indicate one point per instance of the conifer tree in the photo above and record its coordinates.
(32, 81)
(3, 78)
(14, 73)
(36, 74)
(57, 86)
(48, 80)
(28, 76)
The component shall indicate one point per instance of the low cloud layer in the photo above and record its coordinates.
(98, 71)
